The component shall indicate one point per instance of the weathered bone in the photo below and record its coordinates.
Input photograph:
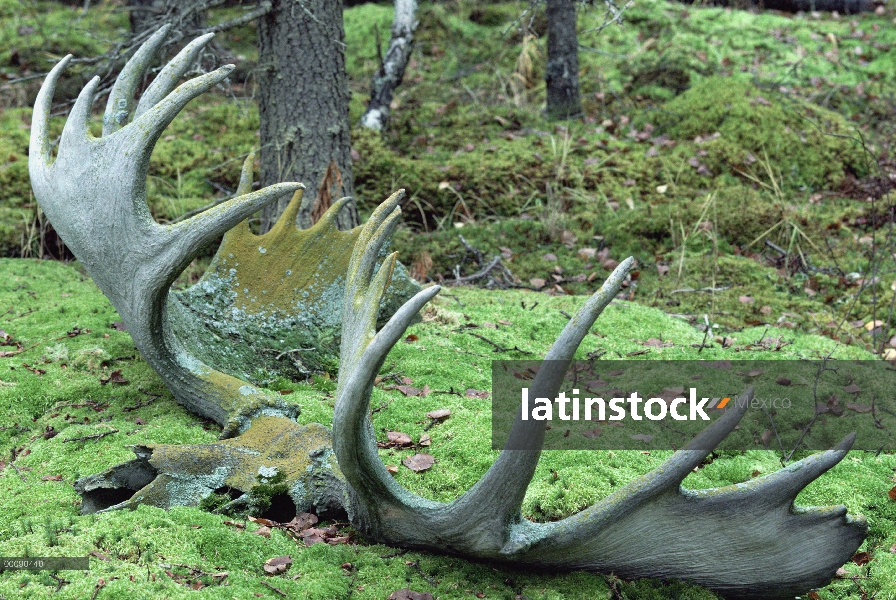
(95, 191)
(745, 541)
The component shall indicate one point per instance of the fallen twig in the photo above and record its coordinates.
(95, 436)
(278, 590)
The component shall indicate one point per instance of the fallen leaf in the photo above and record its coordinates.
(411, 338)
(766, 310)
(662, 269)
(419, 462)
(537, 282)
(471, 393)
(139, 421)
(592, 433)
(263, 531)
(852, 389)
(783, 381)
(392, 469)
(277, 565)
(549, 256)
(409, 391)
(873, 324)
(442, 413)
(746, 300)
(861, 558)
(398, 438)
(892, 493)
(408, 594)
(642, 437)
(51, 478)
(99, 555)
(118, 326)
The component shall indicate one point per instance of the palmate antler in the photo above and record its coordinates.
(744, 541)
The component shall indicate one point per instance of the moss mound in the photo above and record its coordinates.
(805, 145)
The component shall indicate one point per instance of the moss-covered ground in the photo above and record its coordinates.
(53, 391)
(742, 152)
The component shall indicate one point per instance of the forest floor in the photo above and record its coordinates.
(742, 158)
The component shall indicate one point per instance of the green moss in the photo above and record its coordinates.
(803, 145)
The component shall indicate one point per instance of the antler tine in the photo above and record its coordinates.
(39, 146)
(499, 494)
(121, 98)
(168, 77)
(154, 121)
(75, 131)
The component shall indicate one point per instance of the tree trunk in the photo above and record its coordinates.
(562, 73)
(303, 100)
(391, 71)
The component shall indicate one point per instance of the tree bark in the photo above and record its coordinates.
(562, 73)
(391, 71)
(303, 101)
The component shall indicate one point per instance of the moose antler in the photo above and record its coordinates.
(94, 193)
(744, 541)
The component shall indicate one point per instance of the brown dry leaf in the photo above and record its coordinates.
(754, 372)
(411, 338)
(783, 381)
(537, 282)
(746, 300)
(766, 310)
(419, 462)
(813, 596)
(301, 522)
(592, 433)
(471, 393)
(409, 391)
(398, 438)
(662, 269)
(859, 408)
(549, 256)
(862, 558)
(408, 594)
(852, 389)
(392, 469)
(442, 413)
(51, 478)
(892, 493)
(586, 254)
(841, 572)
(873, 324)
(115, 377)
(277, 565)
(263, 531)
(99, 555)
(425, 440)
(767, 436)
